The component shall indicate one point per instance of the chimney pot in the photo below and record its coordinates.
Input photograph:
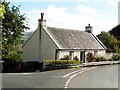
(42, 14)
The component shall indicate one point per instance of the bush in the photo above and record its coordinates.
(90, 57)
(66, 57)
(76, 58)
(59, 64)
(118, 51)
(110, 59)
(113, 50)
(116, 57)
(101, 59)
(16, 57)
(109, 50)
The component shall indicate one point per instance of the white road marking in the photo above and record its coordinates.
(73, 72)
(17, 73)
(26, 73)
(66, 84)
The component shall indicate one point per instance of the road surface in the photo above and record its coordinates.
(87, 77)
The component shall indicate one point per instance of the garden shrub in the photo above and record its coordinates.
(90, 57)
(66, 57)
(109, 50)
(98, 59)
(116, 57)
(59, 64)
(118, 51)
(16, 57)
(76, 58)
(65, 62)
(110, 59)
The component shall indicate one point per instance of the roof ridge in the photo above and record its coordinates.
(65, 29)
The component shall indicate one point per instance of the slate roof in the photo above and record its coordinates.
(74, 39)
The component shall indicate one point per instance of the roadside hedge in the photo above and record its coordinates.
(14, 67)
(59, 64)
(98, 59)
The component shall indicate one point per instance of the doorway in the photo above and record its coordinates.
(82, 56)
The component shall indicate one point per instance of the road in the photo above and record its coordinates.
(103, 77)
(87, 77)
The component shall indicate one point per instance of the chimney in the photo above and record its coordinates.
(41, 21)
(89, 29)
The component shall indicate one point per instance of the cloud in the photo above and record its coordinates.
(59, 17)
(86, 10)
(55, 0)
(61, 0)
(32, 18)
(112, 2)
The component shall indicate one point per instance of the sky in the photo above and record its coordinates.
(102, 15)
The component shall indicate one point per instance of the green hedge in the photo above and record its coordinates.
(116, 57)
(98, 59)
(113, 58)
(59, 64)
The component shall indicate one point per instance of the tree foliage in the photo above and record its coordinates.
(108, 40)
(116, 32)
(13, 24)
(2, 10)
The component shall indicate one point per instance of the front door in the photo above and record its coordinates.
(82, 56)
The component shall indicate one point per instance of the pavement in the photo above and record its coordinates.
(96, 63)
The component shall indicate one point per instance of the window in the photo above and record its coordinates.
(95, 53)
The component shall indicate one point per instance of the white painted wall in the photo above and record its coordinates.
(102, 53)
(99, 53)
(77, 53)
(31, 48)
(48, 49)
(63, 53)
(108, 55)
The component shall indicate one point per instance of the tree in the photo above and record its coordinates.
(2, 10)
(108, 40)
(13, 25)
(116, 32)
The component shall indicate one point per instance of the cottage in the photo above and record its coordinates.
(50, 43)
